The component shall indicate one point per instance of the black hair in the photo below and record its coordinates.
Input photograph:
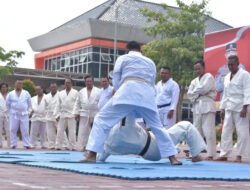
(166, 68)
(68, 78)
(2, 84)
(105, 78)
(133, 45)
(200, 62)
(235, 57)
(53, 83)
(88, 76)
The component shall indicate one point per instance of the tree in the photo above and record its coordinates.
(9, 60)
(178, 41)
(29, 86)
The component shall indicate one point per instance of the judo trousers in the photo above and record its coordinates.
(185, 130)
(4, 124)
(21, 121)
(111, 115)
(51, 133)
(234, 121)
(205, 124)
(62, 125)
(38, 128)
(84, 131)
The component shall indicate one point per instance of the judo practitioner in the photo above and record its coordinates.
(234, 111)
(51, 123)
(4, 114)
(106, 92)
(133, 139)
(202, 93)
(86, 106)
(18, 103)
(167, 98)
(38, 124)
(134, 82)
(65, 115)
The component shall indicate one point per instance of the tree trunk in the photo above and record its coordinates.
(179, 106)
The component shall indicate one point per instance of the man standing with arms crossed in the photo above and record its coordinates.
(18, 103)
(134, 81)
(167, 98)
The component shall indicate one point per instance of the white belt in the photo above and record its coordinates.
(136, 79)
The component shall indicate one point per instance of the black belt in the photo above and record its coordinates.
(145, 149)
(164, 105)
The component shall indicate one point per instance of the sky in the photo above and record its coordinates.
(21, 20)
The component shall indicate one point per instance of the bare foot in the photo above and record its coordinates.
(221, 159)
(89, 157)
(209, 158)
(197, 158)
(174, 161)
(238, 159)
(28, 147)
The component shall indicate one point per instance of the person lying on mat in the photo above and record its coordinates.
(134, 82)
(131, 138)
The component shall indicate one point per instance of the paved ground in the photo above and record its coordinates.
(13, 177)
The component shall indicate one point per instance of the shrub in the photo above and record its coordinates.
(29, 86)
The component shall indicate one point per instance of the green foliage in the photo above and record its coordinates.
(30, 87)
(9, 59)
(181, 38)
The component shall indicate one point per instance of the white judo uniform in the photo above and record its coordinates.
(65, 110)
(104, 96)
(38, 124)
(236, 94)
(135, 139)
(87, 109)
(4, 121)
(202, 93)
(51, 123)
(167, 97)
(18, 107)
(134, 82)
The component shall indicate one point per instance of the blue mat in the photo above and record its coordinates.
(129, 167)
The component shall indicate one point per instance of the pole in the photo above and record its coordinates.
(115, 35)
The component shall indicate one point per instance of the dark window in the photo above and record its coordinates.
(63, 70)
(46, 64)
(67, 69)
(111, 51)
(71, 69)
(75, 69)
(104, 50)
(84, 68)
(58, 63)
(94, 57)
(93, 69)
(71, 61)
(49, 68)
(111, 67)
(80, 69)
(63, 63)
(121, 52)
(104, 70)
(96, 49)
(106, 58)
(76, 60)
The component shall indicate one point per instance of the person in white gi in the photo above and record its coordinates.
(133, 139)
(18, 103)
(86, 106)
(202, 93)
(37, 113)
(4, 114)
(51, 123)
(234, 111)
(167, 98)
(106, 92)
(134, 81)
(65, 115)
